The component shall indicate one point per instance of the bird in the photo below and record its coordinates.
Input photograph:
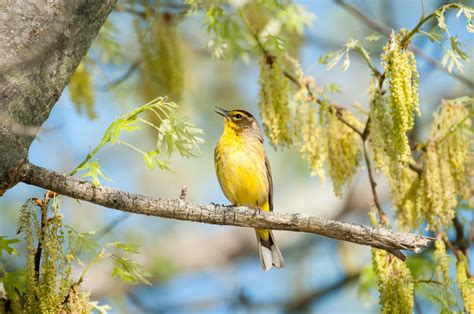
(245, 177)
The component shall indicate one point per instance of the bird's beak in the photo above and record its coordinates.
(222, 112)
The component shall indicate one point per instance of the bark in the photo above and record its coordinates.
(41, 44)
(179, 209)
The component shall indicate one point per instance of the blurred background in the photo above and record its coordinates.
(204, 268)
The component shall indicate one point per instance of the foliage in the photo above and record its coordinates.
(173, 134)
(52, 247)
(56, 246)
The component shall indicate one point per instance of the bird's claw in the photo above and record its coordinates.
(222, 205)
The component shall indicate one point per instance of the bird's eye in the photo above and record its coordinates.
(238, 116)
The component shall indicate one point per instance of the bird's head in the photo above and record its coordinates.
(240, 121)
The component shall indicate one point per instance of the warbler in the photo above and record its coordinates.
(244, 175)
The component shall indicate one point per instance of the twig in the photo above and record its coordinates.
(114, 223)
(428, 281)
(384, 29)
(423, 20)
(43, 205)
(302, 302)
(133, 67)
(220, 215)
(453, 249)
(270, 59)
(373, 184)
(461, 241)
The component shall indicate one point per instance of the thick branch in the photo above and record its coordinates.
(220, 215)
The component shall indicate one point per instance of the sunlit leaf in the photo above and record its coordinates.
(5, 245)
(101, 309)
(94, 172)
(129, 271)
(14, 282)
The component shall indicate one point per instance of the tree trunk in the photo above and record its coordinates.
(41, 44)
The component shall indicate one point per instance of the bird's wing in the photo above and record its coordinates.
(270, 183)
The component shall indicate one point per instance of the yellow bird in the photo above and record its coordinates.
(244, 175)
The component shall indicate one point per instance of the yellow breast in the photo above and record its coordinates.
(241, 170)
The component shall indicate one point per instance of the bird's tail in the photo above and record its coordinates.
(270, 254)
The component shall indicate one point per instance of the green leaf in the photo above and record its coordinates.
(129, 271)
(420, 266)
(150, 157)
(444, 297)
(324, 59)
(367, 282)
(101, 309)
(14, 282)
(82, 242)
(275, 43)
(456, 46)
(440, 17)
(94, 172)
(120, 125)
(346, 63)
(332, 88)
(451, 59)
(334, 59)
(5, 245)
(434, 35)
(295, 18)
(128, 248)
(214, 17)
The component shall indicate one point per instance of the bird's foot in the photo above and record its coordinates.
(222, 205)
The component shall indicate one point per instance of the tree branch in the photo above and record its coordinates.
(302, 302)
(384, 29)
(220, 215)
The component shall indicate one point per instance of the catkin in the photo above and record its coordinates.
(401, 73)
(344, 149)
(465, 284)
(274, 103)
(448, 158)
(162, 64)
(441, 261)
(395, 283)
(81, 90)
(312, 143)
